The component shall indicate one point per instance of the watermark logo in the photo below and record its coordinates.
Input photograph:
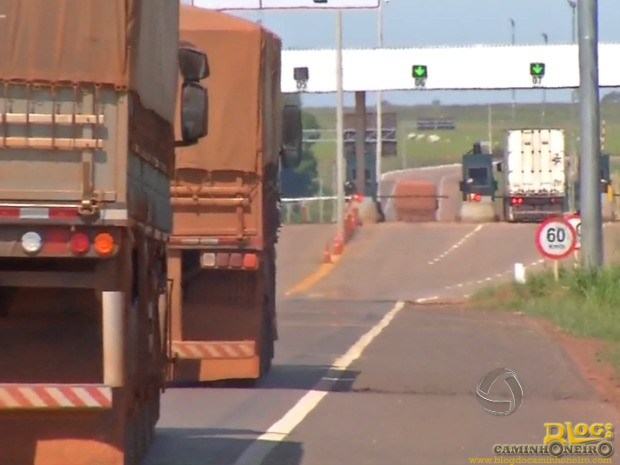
(505, 404)
(566, 439)
(593, 439)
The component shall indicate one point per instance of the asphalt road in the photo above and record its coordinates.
(372, 369)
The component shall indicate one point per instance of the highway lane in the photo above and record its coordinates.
(203, 426)
(411, 397)
(413, 402)
(408, 397)
(299, 252)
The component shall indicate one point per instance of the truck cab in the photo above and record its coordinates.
(477, 175)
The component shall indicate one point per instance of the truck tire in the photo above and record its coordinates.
(267, 347)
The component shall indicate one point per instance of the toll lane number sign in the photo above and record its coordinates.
(556, 238)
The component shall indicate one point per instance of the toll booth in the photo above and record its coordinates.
(370, 174)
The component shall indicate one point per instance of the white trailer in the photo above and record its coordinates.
(534, 168)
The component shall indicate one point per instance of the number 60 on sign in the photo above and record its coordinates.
(556, 238)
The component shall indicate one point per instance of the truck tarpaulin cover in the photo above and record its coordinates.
(89, 41)
(244, 89)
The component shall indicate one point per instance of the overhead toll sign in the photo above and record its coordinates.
(449, 68)
(285, 4)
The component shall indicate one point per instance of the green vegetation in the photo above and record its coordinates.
(302, 181)
(582, 303)
(472, 124)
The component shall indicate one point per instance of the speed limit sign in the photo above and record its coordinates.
(575, 222)
(556, 238)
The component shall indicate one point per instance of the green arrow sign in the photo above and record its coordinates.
(537, 69)
(419, 71)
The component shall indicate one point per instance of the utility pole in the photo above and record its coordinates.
(360, 142)
(546, 39)
(379, 147)
(339, 129)
(590, 191)
(514, 92)
(573, 159)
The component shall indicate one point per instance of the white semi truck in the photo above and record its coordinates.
(535, 174)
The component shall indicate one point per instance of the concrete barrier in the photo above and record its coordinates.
(477, 212)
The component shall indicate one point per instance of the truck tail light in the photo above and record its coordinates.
(477, 198)
(31, 242)
(207, 260)
(236, 260)
(226, 260)
(104, 244)
(79, 243)
(516, 201)
(250, 261)
(222, 260)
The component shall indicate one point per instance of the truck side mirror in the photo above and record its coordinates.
(194, 112)
(193, 63)
(292, 136)
(499, 167)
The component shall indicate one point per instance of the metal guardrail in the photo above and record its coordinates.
(322, 209)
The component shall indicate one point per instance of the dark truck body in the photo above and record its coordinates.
(477, 177)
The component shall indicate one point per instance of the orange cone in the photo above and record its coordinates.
(338, 245)
(327, 256)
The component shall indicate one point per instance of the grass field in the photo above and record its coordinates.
(472, 123)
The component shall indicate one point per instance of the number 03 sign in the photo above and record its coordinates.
(556, 238)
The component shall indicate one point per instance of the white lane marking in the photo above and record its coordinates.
(264, 444)
(426, 299)
(489, 278)
(457, 245)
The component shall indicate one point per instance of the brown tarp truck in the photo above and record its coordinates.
(225, 201)
(88, 96)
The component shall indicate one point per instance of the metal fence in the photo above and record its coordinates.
(320, 209)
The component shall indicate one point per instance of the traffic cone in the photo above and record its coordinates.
(338, 245)
(327, 255)
(347, 228)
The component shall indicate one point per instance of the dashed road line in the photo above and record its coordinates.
(457, 245)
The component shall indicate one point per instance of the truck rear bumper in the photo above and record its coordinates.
(201, 361)
(534, 215)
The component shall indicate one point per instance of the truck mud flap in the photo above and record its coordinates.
(207, 361)
(198, 350)
(55, 397)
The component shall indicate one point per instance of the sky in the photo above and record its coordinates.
(409, 23)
